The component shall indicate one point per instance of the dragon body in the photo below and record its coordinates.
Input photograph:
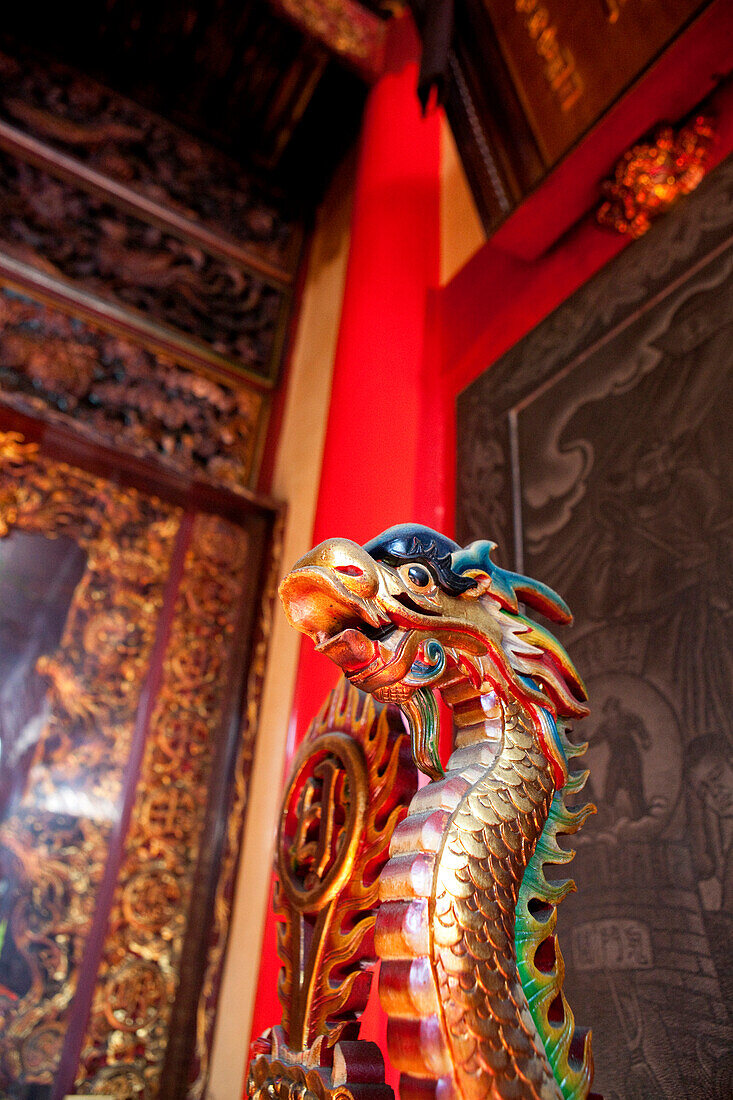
(471, 975)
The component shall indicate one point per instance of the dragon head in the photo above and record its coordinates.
(410, 608)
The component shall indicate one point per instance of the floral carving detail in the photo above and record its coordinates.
(652, 175)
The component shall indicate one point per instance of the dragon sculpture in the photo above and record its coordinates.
(471, 973)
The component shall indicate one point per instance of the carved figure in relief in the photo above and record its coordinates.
(471, 974)
(626, 735)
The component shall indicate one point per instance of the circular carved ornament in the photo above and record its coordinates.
(41, 1052)
(126, 1082)
(322, 820)
(135, 995)
(221, 541)
(104, 635)
(150, 899)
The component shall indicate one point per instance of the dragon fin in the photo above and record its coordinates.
(539, 959)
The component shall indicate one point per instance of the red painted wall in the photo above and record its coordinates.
(407, 348)
(383, 460)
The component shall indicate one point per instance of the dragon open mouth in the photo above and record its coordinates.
(377, 633)
(362, 650)
(356, 616)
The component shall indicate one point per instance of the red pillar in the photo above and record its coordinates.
(384, 451)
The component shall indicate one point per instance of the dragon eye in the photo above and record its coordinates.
(419, 576)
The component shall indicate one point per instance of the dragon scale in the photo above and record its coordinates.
(471, 974)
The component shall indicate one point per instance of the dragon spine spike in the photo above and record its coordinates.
(510, 587)
(539, 959)
(471, 975)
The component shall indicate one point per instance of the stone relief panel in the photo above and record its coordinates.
(621, 410)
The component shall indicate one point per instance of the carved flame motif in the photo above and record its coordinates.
(346, 793)
(349, 787)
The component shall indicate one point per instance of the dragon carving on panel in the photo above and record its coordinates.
(471, 971)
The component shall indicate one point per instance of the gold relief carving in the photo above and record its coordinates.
(56, 839)
(126, 1082)
(348, 788)
(273, 1079)
(652, 175)
(42, 1050)
(136, 993)
(326, 798)
(150, 897)
(235, 822)
(137, 980)
(343, 798)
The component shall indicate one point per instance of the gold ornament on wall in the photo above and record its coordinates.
(652, 175)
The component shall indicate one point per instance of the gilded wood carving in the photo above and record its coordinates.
(57, 853)
(206, 1008)
(138, 701)
(349, 785)
(128, 1027)
(471, 974)
(653, 174)
(114, 391)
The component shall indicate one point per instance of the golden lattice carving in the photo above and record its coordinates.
(142, 953)
(56, 850)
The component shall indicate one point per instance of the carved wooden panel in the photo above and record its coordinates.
(598, 451)
(65, 231)
(141, 960)
(116, 392)
(234, 72)
(55, 831)
(120, 831)
(71, 113)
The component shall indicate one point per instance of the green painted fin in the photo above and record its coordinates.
(539, 959)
